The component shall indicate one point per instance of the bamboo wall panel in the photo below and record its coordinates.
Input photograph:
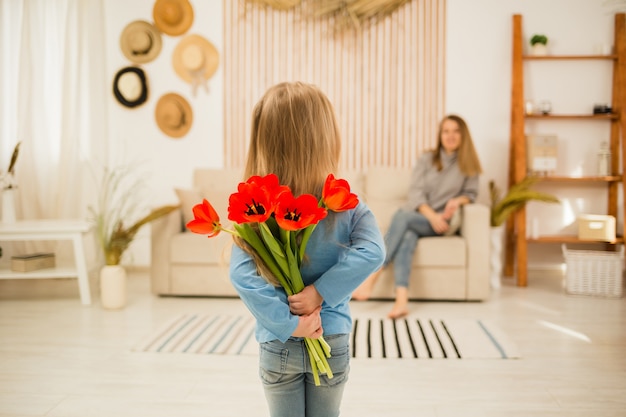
(385, 80)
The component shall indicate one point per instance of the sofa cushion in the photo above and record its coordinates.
(197, 249)
(188, 198)
(386, 183)
(443, 251)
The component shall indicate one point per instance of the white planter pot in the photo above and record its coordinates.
(113, 287)
(8, 206)
(539, 49)
(497, 240)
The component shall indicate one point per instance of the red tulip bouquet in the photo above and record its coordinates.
(277, 226)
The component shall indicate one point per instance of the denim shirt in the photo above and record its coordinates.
(343, 250)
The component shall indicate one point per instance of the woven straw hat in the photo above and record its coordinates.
(173, 115)
(195, 60)
(130, 87)
(173, 17)
(140, 42)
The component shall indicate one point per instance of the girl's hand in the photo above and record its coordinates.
(306, 301)
(310, 325)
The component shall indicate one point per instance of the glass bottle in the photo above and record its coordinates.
(604, 160)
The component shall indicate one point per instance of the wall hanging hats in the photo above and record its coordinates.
(173, 115)
(173, 17)
(140, 42)
(130, 87)
(195, 60)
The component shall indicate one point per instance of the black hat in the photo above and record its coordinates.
(130, 87)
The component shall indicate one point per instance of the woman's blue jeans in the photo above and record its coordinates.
(401, 240)
(288, 381)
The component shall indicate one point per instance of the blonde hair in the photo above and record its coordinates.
(469, 164)
(295, 136)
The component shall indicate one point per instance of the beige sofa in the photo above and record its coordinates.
(445, 268)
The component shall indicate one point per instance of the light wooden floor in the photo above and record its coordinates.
(59, 358)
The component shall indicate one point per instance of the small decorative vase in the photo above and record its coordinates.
(8, 205)
(496, 237)
(113, 287)
(539, 49)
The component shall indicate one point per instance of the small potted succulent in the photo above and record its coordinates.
(539, 44)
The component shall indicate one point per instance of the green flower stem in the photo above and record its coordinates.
(325, 346)
(294, 271)
(275, 248)
(250, 236)
(305, 239)
(314, 370)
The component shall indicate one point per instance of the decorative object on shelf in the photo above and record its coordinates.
(596, 227)
(604, 160)
(602, 109)
(118, 205)
(529, 107)
(130, 87)
(173, 115)
(173, 17)
(501, 209)
(8, 186)
(545, 107)
(32, 262)
(195, 60)
(539, 44)
(542, 151)
(140, 42)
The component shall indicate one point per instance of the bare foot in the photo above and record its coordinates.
(363, 292)
(397, 312)
(400, 307)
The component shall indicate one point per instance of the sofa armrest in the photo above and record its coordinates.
(162, 230)
(475, 229)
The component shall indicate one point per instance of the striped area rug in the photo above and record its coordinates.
(408, 338)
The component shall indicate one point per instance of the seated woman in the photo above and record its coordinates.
(441, 182)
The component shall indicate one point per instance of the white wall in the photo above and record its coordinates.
(478, 85)
(134, 134)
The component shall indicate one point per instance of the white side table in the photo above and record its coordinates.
(73, 230)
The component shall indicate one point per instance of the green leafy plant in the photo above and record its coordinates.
(118, 205)
(542, 39)
(518, 195)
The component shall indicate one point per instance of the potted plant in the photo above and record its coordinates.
(503, 207)
(117, 218)
(539, 44)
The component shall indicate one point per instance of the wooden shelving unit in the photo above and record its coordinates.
(516, 240)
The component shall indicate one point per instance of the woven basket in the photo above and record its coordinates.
(594, 272)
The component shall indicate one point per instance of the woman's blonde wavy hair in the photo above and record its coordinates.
(469, 164)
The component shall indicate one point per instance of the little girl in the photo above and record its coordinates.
(295, 136)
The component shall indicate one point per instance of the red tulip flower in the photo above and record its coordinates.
(336, 194)
(297, 213)
(206, 220)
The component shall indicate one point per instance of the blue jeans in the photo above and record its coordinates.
(401, 240)
(289, 387)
